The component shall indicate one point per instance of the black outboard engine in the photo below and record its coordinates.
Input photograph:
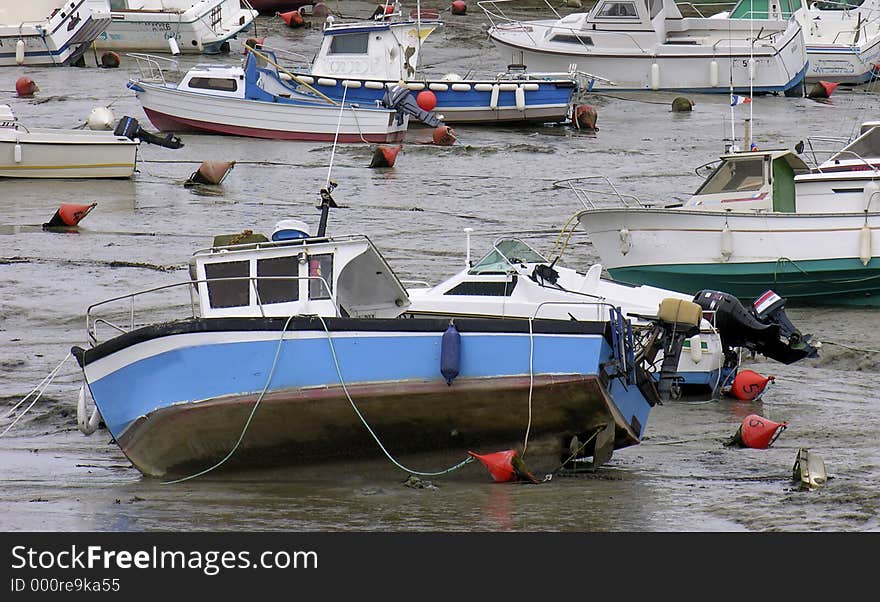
(763, 328)
(131, 129)
(401, 99)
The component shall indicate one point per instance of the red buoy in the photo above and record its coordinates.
(426, 100)
(584, 117)
(255, 43)
(459, 7)
(384, 156)
(110, 60)
(505, 466)
(292, 18)
(25, 86)
(69, 215)
(822, 89)
(443, 135)
(749, 385)
(758, 432)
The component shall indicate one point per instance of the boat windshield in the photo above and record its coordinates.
(866, 147)
(761, 9)
(617, 9)
(735, 175)
(507, 252)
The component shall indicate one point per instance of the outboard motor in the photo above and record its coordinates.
(131, 129)
(401, 99)
(763, 328)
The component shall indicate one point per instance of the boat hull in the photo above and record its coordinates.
(842, 64)
(170, 109)
(177, 397)
(45, 153)
(816, 258)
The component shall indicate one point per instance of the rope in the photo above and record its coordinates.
(567, 238)
(531, 384)
(851, 348)
(336, 137)
(366, 424)
(47, 380)
(356, 122)
(250, 417)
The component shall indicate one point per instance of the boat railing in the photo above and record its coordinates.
(837, 152)
(126, 317)
(696, 8)
(598, 191)
(153, 68)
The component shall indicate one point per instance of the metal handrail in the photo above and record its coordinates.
(584, 194)
(150, 68)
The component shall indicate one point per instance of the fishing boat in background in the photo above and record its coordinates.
(175, 26)
(297, 349)
(362, 59)
(649, 45)
(762, 219)
(252, 100)
(30, 152)
(50, 32)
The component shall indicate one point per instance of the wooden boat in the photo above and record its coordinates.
(50, 32)
(252, 100)
(762, 219)
(175, 26)
(649, 45)
(297, 349)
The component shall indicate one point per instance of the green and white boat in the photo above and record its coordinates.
(761, 220)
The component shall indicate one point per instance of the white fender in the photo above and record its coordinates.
(865, 244)
(655, 76)
(696, 348)
(520, 96)
(86, 425)
(19, 52)
(713, 73)
(726, 242)
(16, 152)
(493, 98)
(625, 240)
(172, 43)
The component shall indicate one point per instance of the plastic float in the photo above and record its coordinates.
(757, 432)
(505, 466)
(748, 385)
(68, 215)
(211, 172)
(384, 155)
(25, 86)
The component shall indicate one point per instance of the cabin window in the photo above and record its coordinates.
(224, 84)
(572, 39)
(484, 289)
(618, 9)
(228, 293)
(118, 4)
(352, 43)
(735, 175)
(320, 276)
(277, 280)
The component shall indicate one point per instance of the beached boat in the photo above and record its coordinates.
(252, 100)
(762, 219)
(270, 7)
(296, 348)
(50, 32)
(175, 26)
(648, 45)
(29, 152)
(362, 59)
(515, 281)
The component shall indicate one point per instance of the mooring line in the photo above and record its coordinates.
(41, 387)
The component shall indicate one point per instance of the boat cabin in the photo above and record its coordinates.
(751, 181)
(292, 273)
(372, 50)
(863, 153)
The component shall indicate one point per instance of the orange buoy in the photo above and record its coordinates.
(459, 7)
(384, 156)
(584, 117)
(25, 86)
(426, 100)
(109, 60)
(69, 215)
(211, 172)
(255, 43)
(443, 135)
(822, 89)
(292, 18)
(758, 432)
(505, 466)
(749, 385)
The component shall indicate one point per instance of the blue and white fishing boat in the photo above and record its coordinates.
(362, 59)
(296, 348)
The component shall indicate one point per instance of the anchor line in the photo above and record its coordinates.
(851, 348)
(363, 420)
(41, 387)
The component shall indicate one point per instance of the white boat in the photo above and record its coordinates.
(50, 32)
(364, 58)
(295, 349)
(762, 219)
(843, 40)
(252, 100)
(28, 152)
(648, 45)
(175, 26)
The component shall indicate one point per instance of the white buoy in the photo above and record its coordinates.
(865, 245)
(713, 73)
(19, 52)
(16, 153)
(655, 76)
(175, 49)
(520, 96)
(101, 118)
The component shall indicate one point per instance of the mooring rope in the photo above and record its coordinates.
(41, 387)
(850, 347)
(366, 424)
